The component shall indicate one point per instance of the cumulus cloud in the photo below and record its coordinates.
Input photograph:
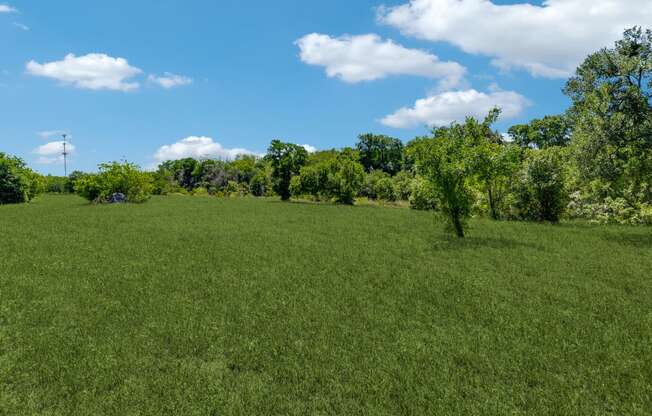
(168, 80)
(548, 40)
(21, 26)
(5, 8)
(199, 148)
(309, 148)
(95, 71)
(368, 57)
(50, 153)
(444, 108)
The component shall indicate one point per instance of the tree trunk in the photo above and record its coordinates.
(492, 205)
(457, 225)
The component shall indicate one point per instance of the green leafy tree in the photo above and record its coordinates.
(339, 177)
(378, 152)
(612, 118)
(18, 184)
(494, 164)
(447, 161)
(542, 133)
(286, 159)
(541, 193)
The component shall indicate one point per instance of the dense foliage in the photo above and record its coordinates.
(115, 178)
(18, 183)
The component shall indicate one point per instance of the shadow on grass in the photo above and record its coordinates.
(452, 243)
(643, 240)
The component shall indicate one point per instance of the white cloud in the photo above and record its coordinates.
(21, 26)
(168, 80)
(52, 133)
(368, 57)
(5, 8)
(52, 152)
(548, 40)
(443, 108)
(94, 71)
(199, 148)
(309, 148)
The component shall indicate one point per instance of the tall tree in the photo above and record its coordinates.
(287, 160)
(378, 152)
(612, 117)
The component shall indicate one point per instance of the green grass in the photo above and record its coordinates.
(205, 306)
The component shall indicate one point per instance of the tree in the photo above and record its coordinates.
(378, 152)
(494, 164)
(446, 160)
(541, 191)
(338, 177)
(542, 133)
(612, 118)
(18, 184)
(287, 160)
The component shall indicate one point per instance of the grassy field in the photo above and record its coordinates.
(205, 306)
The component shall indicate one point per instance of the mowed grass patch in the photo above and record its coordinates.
(206, 306)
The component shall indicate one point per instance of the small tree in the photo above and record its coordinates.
(287, 160)
(447, 161)
(540, 192)
(339, 178)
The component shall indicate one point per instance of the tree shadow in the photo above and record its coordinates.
(643, 240)
(452, 243)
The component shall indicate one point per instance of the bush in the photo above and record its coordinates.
(403, 185)
(125, 178)
(261, 183)
(422, 195)
(18, 184)
(540, 193)
(385, 189)
(370, 185)
(609, 211)
(338, 178)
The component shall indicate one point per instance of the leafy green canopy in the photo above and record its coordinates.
(333, 176)
(448, 160)
(125, 178)
(286, 160)
(612, 117)
(378, 152)
(18, 183)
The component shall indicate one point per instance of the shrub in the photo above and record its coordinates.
(125, 178)
(261, 183)
(385, 189)
(18, 184)
(338, 178)
(422, 195)
(403, 185)
(370, 185)
(540, 192)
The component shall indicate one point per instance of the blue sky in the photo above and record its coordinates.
(246, 80)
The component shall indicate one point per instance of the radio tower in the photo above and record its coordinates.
(65, 156)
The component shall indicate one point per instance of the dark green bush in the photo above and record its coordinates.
(18, 184)
(540, 193)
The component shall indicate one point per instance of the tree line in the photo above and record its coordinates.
(594, 161)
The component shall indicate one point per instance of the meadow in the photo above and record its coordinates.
(214, 306)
